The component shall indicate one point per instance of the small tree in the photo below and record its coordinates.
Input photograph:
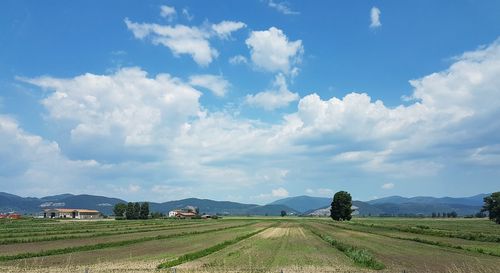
(341, 206)
(144, 211)
(120, 209)
(283, 213)
(129, 213)
(492, 206)
(433, 215)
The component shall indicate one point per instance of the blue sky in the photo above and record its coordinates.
(249, 101)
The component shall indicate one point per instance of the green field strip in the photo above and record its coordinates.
(481, 250)
(109, 244)
(423, 229)
(76, 225)
(360, 256)
(207, 251)
(90, 233)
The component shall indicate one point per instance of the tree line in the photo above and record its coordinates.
(340, 209)
(131, 211)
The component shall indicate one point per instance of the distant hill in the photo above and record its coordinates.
(476, 200)
(29, 205)
(303, 203)
(393, 205)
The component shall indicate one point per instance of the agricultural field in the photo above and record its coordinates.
(251, 244)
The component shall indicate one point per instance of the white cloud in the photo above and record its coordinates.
(282, 7)
(180, 39)
(452, 120)
(278, 97)
(217, 84)
(388, 186)
(126, 108)
(168, 12)
(279, 192)
(36, 165)
(225, 28)
(375, 18)
(238, 59)
(270, 50)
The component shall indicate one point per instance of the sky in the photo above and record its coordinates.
(249, 101)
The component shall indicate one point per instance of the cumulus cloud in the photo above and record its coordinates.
(182, 39)
(168, 12)
(388, 186)
(279, 96)
(451, 120)
(282, 7)
(126, 108)
(215, 83)
(225, 28)
(35, 164)
(271, 50)
(375, 18)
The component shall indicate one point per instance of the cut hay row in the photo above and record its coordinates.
(207, 251)
(360, 256)
(422, 229)
(110, 244)
(423, 241)
(89, 233)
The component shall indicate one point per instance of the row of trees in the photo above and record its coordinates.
(131, 211)
(342, 202)
(452, 214)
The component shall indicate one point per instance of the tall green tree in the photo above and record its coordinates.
(129, 213)
(283, 213)
(119, 209)
(492, 206)
(341, 206)
(137, 210)
(144, 213)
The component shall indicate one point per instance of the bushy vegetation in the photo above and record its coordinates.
(492, 206)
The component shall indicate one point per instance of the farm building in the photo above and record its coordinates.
(72, 213)
(181, 214)
(10, 216)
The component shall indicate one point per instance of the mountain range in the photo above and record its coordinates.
(30, 205)
(393, 205)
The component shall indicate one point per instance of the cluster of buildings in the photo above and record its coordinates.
(72, 213)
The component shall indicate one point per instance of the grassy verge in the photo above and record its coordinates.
(207, 251)
(360, 257)
(108, 245)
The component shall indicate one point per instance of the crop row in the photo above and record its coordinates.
(81, 236)
(9, 238)
(67, 250)
(476, 236)
(424, 241)
(207, 251)
(360, 256)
